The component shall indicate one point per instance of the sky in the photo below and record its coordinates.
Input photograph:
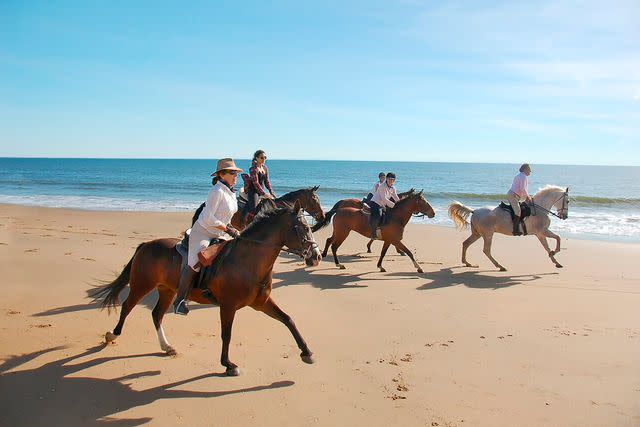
(555, 82)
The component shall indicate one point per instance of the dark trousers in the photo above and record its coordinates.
(253, 198)
(374, 219)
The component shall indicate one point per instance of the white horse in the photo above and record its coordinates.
(485, 222)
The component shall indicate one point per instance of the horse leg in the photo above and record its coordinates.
(134, 297)
(401, 247)
(465, 245)
(164, 301)
(226, 323)
(271, 309)
(326, 247)
(337, 241)
(369, 246)
(385, 246)
(545, 245)
(487, 251)
(552, 235)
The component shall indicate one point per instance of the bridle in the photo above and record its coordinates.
(301, 232)
(564, 210)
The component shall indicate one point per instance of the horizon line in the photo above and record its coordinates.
(321, 160)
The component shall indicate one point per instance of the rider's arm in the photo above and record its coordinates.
(213, 202)
(394, 195)
(253, 174)
(267, 183)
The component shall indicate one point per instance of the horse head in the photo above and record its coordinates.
(299, 239)
(422, 206)
(312, 204)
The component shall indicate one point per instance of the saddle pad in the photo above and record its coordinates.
(525, 209)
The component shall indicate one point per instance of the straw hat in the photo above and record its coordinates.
(226, 164)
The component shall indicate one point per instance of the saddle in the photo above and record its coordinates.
(525, 211)
(210, 260)
(381, 221)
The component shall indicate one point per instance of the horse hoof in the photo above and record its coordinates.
(558, 266)
(503, 269)
(342, 267)
(382, 270)
(110, 337)
(369, 251)
(420, 270)
(233, 372)
(170, 351)
(307, 359)
(402, 254)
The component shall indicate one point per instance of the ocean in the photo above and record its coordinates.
(605, 200)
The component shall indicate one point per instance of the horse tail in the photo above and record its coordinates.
(196, 215)
(109, 292)
(459, 213)
(327, 217)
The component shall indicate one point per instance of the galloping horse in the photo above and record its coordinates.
(307, 198)
(358, 204)
(347, 219)
(484, 222)
(243, 279)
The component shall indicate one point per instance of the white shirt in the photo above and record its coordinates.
(219, 209)
(385, 195)
(520, 185)
(376, 186)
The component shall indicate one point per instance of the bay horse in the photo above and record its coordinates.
(356, 204)
(307, 198)
(243, 279)
(347, 219)
(485, 222)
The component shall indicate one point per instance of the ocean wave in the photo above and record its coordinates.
(99, 203)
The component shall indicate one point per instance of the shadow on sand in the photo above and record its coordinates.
(476, 279)
(54, 394)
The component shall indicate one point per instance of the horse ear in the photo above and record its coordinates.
(567, 189)
(297, 206)
(315, 188)
(421, 191)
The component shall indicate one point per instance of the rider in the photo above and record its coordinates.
(385, 196)
(381, 177)
(519, 191)
(213, 223)
(258, 181)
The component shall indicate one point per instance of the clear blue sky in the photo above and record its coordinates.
(541, 81)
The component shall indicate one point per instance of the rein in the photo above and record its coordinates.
(535, 205)
(302, 253)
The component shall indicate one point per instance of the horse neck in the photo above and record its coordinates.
(265, 246)
(547, 199)
(404, 211)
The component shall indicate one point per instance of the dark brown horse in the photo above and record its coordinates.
(356, 204)
(347, 219)
(307, 198)
(243, 279)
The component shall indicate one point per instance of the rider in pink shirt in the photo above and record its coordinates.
(519, 192)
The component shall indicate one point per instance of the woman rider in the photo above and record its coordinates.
(519, 192)
(258, 181)
(386, 196)
(381, 177)
(213, 223)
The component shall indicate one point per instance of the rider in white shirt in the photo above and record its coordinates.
(519, 192)
(385, 196)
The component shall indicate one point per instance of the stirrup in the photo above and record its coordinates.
(181, 308)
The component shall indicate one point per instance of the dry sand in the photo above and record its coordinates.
(453, 346)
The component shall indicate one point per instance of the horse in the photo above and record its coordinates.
(306, 196)
(358, 204)
(347, 219)
(484, 222)
(243, 279)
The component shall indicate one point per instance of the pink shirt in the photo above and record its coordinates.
(520, 185)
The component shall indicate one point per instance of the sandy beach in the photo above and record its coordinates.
(454, 346)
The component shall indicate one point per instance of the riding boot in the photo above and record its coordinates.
(180, 303)
(516, 226)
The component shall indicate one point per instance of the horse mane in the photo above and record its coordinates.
(265, 216)
(547, 189)
(406, 199)
(294, 194)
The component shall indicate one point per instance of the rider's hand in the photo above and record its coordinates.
(230, 230)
